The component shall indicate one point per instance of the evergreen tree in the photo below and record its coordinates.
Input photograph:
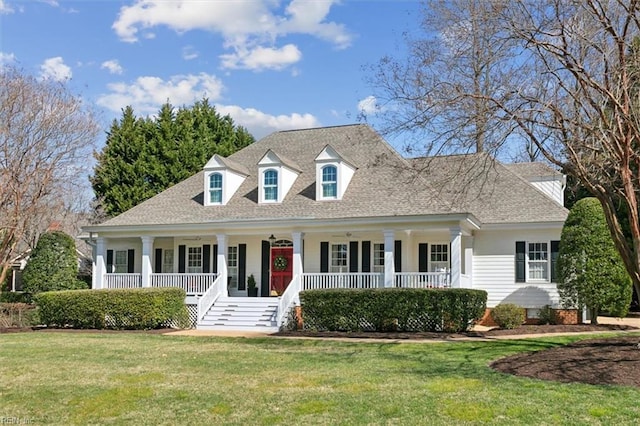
(143, 157)
(590, 270)
(52, 265)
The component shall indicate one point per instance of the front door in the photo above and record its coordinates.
(281, 268)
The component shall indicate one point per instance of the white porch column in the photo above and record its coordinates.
(147, 247)
(222, 262)
(456, 256)
(468, 260)
(389, 261)
(100, 265)
(297, 253)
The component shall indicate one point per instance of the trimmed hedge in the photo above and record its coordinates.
(134, 309)
(15, 297)
(508, 315)
(392, 309)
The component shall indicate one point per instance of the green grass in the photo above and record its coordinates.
(124, 378)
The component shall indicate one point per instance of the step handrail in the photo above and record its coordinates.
(206, 301)
(288, 299)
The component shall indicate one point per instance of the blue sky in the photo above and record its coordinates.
(270, 64)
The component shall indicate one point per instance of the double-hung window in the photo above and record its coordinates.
(194, 260)
(167, 261)
(329, 182)
(215, 188)
(439, 258)
(270, 185)
(120, 265)
(339, 258)
(378, 257)
(536, 260)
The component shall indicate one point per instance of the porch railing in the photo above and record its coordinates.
(206, 301)
(122, 280)
(288, 299)
(193, 284)
(422, 280)
(316, 281)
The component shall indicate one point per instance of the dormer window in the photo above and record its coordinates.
(329, 182)
(222, 178)
(277, 175)
(270, 185)
(333, 174)
(215, 188)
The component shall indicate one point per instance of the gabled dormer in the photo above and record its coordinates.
(276, 175)
(333, 174)
(222, 178)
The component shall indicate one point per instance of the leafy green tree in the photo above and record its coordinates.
(591, 273)
(144, 156)
(53, 265)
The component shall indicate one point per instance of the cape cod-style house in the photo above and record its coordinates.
(336, 207)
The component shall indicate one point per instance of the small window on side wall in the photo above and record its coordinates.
(215, 188)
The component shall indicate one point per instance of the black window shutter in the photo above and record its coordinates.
(158, 261)
(324, 256)
(366, 256)
(520, 261)
(215, 259)
(397, 255)
(206, 258)
(264, 285)
(131, 258)
(109, 261)
(353, 256)
(182, 261)
(423, 257)
(242, 266)
(555, 248)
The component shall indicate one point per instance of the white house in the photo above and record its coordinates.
(337, 207)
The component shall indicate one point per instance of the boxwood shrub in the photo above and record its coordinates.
(448, 310)
(134, 309)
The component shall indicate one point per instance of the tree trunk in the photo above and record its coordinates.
(594, 316)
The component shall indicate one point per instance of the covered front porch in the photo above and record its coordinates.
(217, 267)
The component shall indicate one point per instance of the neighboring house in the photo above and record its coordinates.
(337, 207)
(19, 263)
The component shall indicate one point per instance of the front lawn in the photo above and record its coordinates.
(127, 378)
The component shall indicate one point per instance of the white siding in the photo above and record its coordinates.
(553, 188)
(494, 269)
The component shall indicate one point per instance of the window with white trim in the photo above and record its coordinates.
(538, 261)
(270, 185)
(339, 258)
(329, 182)
(167, 261)
(215, 188)
(232, 265)
(439, 257)
(378, 257)
(194, 260)
(120, 264)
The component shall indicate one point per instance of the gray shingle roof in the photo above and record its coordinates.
(384, 185)
(492, 191)
(533, 170)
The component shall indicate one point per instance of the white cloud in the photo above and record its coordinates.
(261, 124)
(113, 66)
(189, 53)
(147, 94)
(368, 105)
(250, 29)
(262, 58)
(52, 3)
(5, 9)
(6, 59)
(55, 69)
